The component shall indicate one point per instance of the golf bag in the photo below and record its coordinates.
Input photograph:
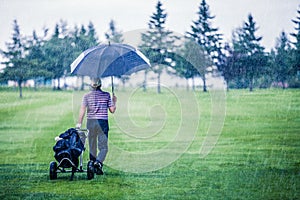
(68, 148)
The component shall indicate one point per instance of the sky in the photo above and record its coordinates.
(272, 16)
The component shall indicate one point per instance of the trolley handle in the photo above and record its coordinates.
(84, 131)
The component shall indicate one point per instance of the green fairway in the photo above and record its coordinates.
(155, 142)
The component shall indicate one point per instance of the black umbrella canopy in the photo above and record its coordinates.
(109, 60)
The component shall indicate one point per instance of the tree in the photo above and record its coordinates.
(229, 65)
(203, 33)
(251, 57)
(190, 60)
(296, 50)
(113, 35)
(36, 57)
(16, 64)
(59, 52)
(157, 42)
(82, 40)
(282, 60)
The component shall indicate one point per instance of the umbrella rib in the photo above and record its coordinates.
(99, 63)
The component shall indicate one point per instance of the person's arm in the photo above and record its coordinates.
(81, 115)
(113, 108)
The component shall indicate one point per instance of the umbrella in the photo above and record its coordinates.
(109, 60)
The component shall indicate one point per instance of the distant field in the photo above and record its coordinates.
(155, 142)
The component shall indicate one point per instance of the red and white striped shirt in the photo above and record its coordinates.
(97, 103)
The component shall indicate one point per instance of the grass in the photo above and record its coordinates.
(155, 143)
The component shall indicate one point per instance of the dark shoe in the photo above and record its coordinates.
(98, 168)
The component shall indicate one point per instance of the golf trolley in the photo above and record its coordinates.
(69, 146)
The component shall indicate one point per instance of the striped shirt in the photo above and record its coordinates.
(97, 103)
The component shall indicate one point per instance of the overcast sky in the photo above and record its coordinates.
(272, 16)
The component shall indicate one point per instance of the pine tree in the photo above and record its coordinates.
(82, 39)
(296, 50)
(157, 42)
(59, 52)
(16, 64)
(36, 57)
(113, 35)
(92, 35)
(203, 33)
(282, 60)
(190, 60)
(251, 57)
(229, 65)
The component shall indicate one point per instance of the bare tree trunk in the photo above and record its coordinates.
(193, 83)
(283, 85)
(251, 85)
(204, 83)
(58, 83)
(20, 88)
(158, 83)
(82, 83)
(123, 83)
(227, 86)
(34, 85)
(145, 82)
(187, 84)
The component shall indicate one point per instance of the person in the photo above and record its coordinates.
(97, 103)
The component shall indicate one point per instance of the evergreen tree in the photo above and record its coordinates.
(16, 64)
(282, 61)
(203, 33)
(82, 39)
(36, 57)
(59, 52)
(190, 60)
(296, 50)
(113, 35)
(158, 42)
(92, 35)
(229, 65)
(251, 57)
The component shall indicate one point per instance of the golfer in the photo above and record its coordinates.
(97, 103)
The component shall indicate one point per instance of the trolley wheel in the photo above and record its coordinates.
(90, 170)
(52, 171)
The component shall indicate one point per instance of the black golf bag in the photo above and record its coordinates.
(68, 148)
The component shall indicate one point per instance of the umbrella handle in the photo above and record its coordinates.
(112, 85)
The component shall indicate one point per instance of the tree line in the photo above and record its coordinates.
(243, 62)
